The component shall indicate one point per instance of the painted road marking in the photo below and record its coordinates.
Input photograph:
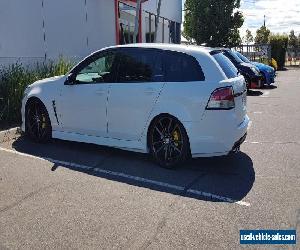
(131, 177)
(273, 142)
(217, 197)
(249, 125)
(257, 112)
(265, 94)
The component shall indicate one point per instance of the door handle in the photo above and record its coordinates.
(150, 91)
(100, 92)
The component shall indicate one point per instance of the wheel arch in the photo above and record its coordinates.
(31, 100)
(152, 122)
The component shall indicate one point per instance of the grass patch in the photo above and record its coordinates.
(15, 78)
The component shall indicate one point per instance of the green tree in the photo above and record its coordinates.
(262, 35)
(211, 22)
(293, 40)
(248, 37)
(279, 45)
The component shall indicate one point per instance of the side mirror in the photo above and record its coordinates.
(71, 78)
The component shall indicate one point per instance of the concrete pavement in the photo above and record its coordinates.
(71, 195)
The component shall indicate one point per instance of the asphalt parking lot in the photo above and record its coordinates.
(72, 195)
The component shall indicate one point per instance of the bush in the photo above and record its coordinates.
(279, 45)
(273, 63)
(15, 78)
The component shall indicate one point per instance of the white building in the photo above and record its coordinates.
(35, 30)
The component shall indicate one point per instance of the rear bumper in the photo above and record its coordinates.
(236, 146)
(210, 137)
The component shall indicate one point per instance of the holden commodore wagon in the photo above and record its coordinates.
(171, 101)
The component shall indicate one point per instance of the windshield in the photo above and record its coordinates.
(242, 57)
(228, 68)
(232, 56)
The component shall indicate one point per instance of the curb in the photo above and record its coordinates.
(10, 134)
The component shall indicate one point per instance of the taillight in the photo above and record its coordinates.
(221, 98)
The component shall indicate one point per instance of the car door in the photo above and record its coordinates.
(132, 97)
(84, 101)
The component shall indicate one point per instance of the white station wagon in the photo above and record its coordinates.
(171, 101)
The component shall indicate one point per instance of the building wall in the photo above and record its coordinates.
(21, 33)
(33, 30)
(170, 9)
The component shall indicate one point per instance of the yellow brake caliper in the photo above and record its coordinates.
(176, 138)
(43, 121)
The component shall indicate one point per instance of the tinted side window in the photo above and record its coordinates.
(180, 67)
(227, 66)
(140, 65)
(97, 69)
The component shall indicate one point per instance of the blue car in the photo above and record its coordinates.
(267, 72)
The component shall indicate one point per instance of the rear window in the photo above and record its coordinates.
(227, 66)
(180, 67)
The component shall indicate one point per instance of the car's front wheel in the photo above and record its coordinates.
(38, 125)
(169, 144)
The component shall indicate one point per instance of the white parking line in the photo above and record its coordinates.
(257, 112)
(217, 197)
(130, 177)
(249, 125)
(265, 94)
(253, 142)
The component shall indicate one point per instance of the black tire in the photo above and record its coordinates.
(247, 83)
(38, 124)
(168, 141)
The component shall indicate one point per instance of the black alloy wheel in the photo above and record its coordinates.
(38, 125)
(169, 144)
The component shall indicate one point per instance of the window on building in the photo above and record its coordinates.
(167, 31)
(150, 27)
(140, 65)
(180, 67)
(175, 34)
(127, 16)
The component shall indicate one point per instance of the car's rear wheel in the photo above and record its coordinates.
(168, 141)
(38, 125)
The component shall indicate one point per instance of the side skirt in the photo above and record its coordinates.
(135, 146)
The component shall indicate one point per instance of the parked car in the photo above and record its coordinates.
(248, 70)
(171, 101)
(266, 71)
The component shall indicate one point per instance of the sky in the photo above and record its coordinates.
(281, 15)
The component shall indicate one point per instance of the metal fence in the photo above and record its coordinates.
(292, 57)
(256, 52)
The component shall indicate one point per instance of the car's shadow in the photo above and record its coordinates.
(251, 92)
(221, 177)
(270, 87)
